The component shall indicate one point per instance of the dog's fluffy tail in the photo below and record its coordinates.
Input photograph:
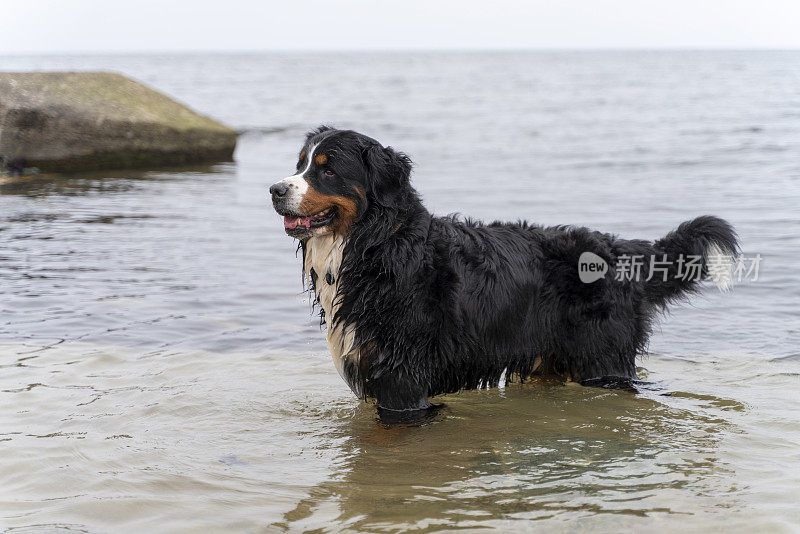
(701, 249)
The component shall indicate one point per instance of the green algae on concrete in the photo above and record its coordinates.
(74, 121)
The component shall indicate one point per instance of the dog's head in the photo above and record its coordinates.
(340, 175)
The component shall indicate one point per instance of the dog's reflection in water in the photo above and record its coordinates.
(532, 451)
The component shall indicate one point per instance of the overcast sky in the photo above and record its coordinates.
(68, 26)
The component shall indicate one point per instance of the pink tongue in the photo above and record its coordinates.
(294, 222)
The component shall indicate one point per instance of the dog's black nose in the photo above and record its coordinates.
(279, 190)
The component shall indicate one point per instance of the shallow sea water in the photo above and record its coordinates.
(160, 368)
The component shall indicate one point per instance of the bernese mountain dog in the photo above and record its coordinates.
(418, 305)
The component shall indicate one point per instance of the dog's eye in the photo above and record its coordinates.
(329, 173)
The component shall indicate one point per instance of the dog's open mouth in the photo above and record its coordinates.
(297, 225)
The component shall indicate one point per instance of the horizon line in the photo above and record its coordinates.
(431, 50)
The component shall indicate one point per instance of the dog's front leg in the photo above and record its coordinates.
(401, 399)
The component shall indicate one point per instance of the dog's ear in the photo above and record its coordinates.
(389, 172)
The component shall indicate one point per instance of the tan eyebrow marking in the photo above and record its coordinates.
(322, 159)
(302, 156)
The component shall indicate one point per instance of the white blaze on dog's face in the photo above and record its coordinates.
(296, 184)
(326, 193)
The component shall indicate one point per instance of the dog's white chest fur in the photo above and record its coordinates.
(324, 255)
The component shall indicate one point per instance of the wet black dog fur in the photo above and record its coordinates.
(441, 304)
